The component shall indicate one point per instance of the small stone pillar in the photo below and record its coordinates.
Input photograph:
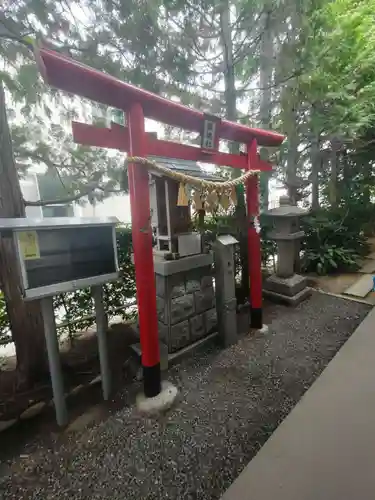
(225, 292)
(285, 285)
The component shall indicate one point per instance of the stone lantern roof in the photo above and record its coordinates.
(286, 209)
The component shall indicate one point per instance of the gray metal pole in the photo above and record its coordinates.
(101, 328)
(54, 360)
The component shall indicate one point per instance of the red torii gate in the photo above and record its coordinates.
(71, 76)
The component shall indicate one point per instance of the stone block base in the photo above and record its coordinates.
(185, 301)
(285, 286)
(160, 403)
(288, 299)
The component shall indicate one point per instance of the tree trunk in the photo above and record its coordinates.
(25, 317)
(333, 177)
(229, 76)
(346, 174)
(292, 156)
(231, 114)
(290, 101)
(265, 78)
(367, 175)
(316, 160)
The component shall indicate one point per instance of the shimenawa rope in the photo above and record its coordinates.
(189, 179)
(207, 193)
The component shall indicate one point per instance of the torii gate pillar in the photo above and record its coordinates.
(143, 258)
(254, 245)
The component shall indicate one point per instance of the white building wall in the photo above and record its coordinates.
(29, 188)
(113, 206)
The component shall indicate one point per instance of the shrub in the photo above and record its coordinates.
(76, 306)
(333, 242)
(226, 224)
(330, 259)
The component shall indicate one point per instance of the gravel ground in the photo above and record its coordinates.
(230, 402)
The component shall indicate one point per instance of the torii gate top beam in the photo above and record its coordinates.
(67, 74)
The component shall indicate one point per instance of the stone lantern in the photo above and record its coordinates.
(285, 285)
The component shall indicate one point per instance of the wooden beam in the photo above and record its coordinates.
(117, 137)
(72, 76)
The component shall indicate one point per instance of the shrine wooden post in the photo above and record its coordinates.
(254, 249)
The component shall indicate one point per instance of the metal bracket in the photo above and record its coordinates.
(146, 228)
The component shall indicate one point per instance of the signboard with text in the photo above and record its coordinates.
(210, 134)
(62, 255)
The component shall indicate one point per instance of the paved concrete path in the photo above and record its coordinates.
(325, 448)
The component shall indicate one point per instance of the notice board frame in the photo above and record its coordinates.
(16, 226)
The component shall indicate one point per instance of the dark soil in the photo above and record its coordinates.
(230, 403)
(80, 364)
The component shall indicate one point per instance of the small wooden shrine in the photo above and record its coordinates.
(170, 219)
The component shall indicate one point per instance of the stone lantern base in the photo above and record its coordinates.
(291, 291)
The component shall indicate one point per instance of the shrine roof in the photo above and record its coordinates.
(71, 76)
(187, 167)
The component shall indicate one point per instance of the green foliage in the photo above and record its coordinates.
(329, 258)
(333, 242)
(220, 222)
(359, 215)
(226, 224)
(345, 71)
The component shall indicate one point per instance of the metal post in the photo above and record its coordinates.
(54, 360)
(143, 258)
(101, 330)
(254, 254)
